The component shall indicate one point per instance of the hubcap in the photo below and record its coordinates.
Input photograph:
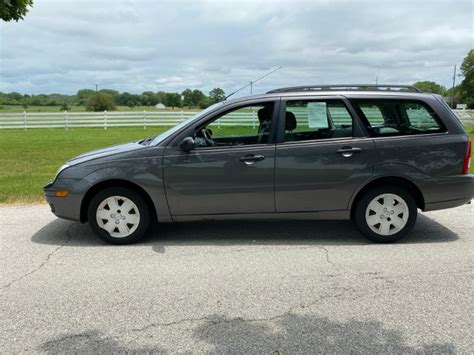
(118, 215)
(387, 214)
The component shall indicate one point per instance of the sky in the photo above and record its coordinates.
(136, 46)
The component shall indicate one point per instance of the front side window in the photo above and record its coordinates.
(245, 125)
(313, 120)
(398, 117)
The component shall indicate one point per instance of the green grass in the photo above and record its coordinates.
(29, 159)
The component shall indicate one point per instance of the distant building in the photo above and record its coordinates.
(160, 106)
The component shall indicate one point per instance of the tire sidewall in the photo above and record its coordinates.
(361, 206)
(130, 194)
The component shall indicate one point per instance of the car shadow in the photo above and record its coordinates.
(289, 333)
(241, 232)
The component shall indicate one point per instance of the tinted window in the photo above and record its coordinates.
(242, 126)
(398, 117)
(310, 120)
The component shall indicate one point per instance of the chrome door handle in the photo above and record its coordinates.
(347, 152)
(251, 159)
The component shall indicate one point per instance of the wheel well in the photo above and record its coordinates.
(114, 183)
(392, 180)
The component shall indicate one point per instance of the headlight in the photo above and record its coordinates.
(61, 168)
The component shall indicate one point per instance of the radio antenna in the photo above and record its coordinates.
(252, 82)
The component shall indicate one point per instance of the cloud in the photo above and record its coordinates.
(172, 45)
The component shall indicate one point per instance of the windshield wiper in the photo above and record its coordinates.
(148, 140)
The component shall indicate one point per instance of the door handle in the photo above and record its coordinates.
(251, 159)
(347, 152)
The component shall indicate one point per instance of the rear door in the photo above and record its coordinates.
(322, 156)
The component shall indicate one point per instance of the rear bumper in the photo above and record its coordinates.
(446, 204)
(68, 207)
(450, 192)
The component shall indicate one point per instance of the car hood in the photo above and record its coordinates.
(109, 151)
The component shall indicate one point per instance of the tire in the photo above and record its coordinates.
(119, 215)
(385, 214)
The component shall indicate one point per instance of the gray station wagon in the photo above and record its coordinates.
(373, 154)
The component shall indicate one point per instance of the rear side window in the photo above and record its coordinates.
(398, 117)
(313, 120)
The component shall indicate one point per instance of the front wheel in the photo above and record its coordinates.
(385, 214)
(119, 215)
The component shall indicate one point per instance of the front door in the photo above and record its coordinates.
(320, 161)
(231, 169)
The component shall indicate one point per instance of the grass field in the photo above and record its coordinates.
(29, 159)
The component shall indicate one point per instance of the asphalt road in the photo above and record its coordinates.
(238, 287)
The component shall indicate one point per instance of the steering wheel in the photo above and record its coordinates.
(206, 135)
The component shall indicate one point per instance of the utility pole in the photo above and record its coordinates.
(454, 84)
(96, 86)
(376, 80)
(251, 87)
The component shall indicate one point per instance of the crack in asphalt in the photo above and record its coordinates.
(213, 321)
(44, 263)
(241, 319)
(328, 260)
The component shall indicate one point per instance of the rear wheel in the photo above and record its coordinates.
(119, 215)
(385, 214)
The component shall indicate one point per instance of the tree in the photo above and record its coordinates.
(149, 98)
(216, 95)
(430, 87)
(197, 96)
(466, 88)
(204, 103)
(14, 9)
(161, 97)
(111, 92)
(173, 99)
(64, 107)
(100, 101)
(83, 95)
(187, 97)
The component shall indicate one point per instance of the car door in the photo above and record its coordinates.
(322, 156)
(230, 170)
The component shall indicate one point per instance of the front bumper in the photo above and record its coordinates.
(68, 207)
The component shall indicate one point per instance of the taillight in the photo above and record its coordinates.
(467, 158)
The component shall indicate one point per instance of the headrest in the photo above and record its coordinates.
(264, 114)
(290, 121)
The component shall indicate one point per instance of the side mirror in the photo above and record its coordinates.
(187, 144)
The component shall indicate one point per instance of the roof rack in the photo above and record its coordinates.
(349, 87)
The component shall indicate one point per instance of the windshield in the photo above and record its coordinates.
(162, 136)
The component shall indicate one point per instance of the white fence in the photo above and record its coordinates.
(466, 116)
(143, 119)
(103, 119)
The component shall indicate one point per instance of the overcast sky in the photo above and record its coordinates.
(134, 46)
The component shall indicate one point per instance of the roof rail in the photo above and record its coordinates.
(349, 87)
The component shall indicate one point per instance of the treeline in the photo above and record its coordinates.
(110, 98)
(462, 93)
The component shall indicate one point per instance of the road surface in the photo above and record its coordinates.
(236, 287)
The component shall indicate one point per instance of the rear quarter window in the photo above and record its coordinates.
(398, 117)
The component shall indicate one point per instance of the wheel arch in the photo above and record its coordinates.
(114, 183)
(405, 183)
